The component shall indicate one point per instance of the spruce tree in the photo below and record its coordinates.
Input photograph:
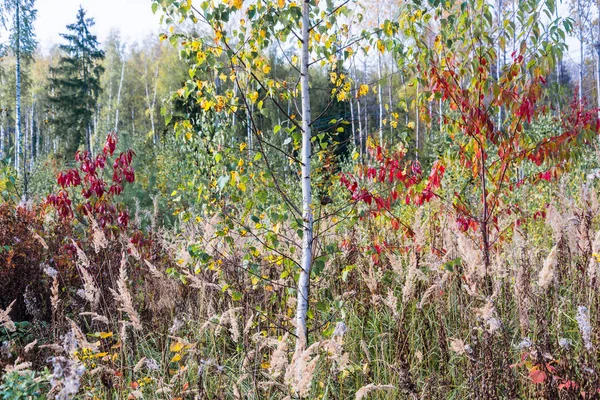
(75, 84)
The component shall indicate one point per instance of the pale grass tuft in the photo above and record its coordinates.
(155, 208)
(98, 238)
(279, 358)
(488, 314)
(522, 285)
(17, 366)
(123, 297)
(248, 324)
(412, 277)
(594, 265)
(82, 342)
(181, 372)
(391, 301)
(457, 346)
(198, 283)
(472, 257)
(90, 291)
(335, 352)
(132, 249)
(365, 349)
(40, 239)
(371, 278)
(300, 371)
(96, 317)
(53, 346)
(365, 390)
(54, 294)
(164, 390)
(557, 222)
(428, 293)
(5, 320)
(547, 273)
(139, 364)
(30, 346)
(153, 270)
(229, 317)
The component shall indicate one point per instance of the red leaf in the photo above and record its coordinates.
(537, 376)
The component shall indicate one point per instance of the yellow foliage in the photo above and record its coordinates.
(363, 90)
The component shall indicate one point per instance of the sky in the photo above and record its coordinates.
(133, 18)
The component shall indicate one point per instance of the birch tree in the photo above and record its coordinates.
(22, 43)
(231, 73)
(581, 13)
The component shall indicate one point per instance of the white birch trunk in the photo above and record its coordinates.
(418, 142)
(598, 79)
(119, 96)
(354, 137)
(31, 135)
(307, 214)
(110, 92)
(2, 140)
(499, 23)
(581, 61)
(151, 103)
(380, 100)
(18, 95)
(360, 130)
(37, 139)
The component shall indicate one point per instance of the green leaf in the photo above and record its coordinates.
(262, 195)
(236, 296)
(222, 181)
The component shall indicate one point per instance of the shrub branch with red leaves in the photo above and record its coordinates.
(97, 193)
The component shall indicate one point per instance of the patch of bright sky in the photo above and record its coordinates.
(133, 18)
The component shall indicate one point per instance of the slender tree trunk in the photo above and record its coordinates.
(37, 138)
(32, 135)
(25, 154)
(96, 120)
(110, 91)
(2, 140)
(380, 100)
(598, 64)
(417, 138)
(307, 214)
(405, 98)
(441, 112)
(18, 93)
(391, 109)
(359, 119)
(119, 96)
(499, 16)
(251, 112)
(581, 60)
(379, 96)
(151, 103)
(598, 77)
(366, 108)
